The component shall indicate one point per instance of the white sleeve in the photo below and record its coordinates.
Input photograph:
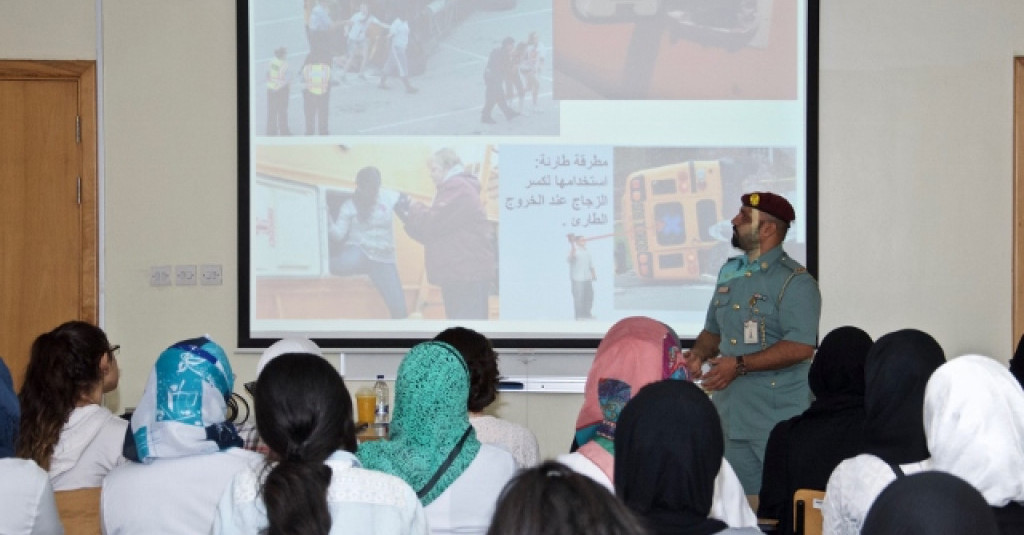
(832, 508)
(729, 504)
(47, 519)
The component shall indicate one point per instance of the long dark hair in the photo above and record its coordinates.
(63, 366)
(304, 414)
(366, 193)
(551, 499)
(482, 361)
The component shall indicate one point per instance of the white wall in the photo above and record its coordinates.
(915, 170)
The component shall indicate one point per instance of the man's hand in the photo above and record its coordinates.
(722, 373)
(693, 364)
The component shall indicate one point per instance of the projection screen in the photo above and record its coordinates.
(532, 169)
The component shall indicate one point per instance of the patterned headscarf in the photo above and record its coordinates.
(635, 352)
(183, 410)
(430, 424)
(10, 412)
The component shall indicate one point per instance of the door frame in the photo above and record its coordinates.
(1018, 202)
(83, 72)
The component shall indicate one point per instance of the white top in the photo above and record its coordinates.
(581, 265)
(399, 33)
(974, 423)
(853, 487)
(361, 502)
(358, 24)
(467, 505)
(514, 438)
(26, 500)
(728, 503)
(189, 489)
(90, 445)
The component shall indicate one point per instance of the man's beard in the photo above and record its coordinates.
(746, 243)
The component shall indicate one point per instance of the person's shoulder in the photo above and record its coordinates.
(356, 484)
(495, 457)
(22, 470)
(789, 264)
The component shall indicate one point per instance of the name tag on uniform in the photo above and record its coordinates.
(750, 332)
(723, 289)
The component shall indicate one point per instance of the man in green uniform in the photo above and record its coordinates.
(760, 332)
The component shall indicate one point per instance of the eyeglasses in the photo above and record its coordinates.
(113, 351)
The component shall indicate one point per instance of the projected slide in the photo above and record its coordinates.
(532, 169)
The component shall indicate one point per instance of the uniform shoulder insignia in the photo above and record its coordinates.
(793, 265)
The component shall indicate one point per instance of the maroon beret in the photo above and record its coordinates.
(771, 204)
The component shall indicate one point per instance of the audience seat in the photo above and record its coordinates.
(807, 519)
(79, 510)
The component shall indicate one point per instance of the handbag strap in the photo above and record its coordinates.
(897, 470)
(444, 466)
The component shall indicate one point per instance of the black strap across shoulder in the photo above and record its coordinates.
(444, 466)
(897, 470)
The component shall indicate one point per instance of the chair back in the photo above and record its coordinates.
(79, 510)
(807, 518)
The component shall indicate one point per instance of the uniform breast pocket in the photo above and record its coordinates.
(763, 307)
(722, 305)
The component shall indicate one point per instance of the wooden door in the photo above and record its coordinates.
(48, 209)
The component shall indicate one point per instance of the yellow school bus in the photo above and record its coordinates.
(667, 215)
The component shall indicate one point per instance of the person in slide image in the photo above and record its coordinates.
(457, 238)
(365, 229)
(277, 94)
(582, 275)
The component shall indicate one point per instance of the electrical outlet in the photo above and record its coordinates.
(211, 274)
(185, 275)
(160, 275)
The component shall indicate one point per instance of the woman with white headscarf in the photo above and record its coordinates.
(974, 422)
(181, 443)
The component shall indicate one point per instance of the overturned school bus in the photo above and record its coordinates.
(667, 215)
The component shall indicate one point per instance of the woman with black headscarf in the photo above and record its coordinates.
(668, 450)
(896, 372)
(804, 450)
(935, 503)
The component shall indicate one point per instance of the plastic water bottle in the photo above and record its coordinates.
(382, 415)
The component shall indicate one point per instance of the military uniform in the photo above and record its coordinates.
(755, 305)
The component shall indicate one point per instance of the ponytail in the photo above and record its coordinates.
(295, 493)
(304, 414)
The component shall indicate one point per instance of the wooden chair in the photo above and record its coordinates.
(807, 519)
(79, 510)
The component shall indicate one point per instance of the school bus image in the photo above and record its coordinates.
(667, 215)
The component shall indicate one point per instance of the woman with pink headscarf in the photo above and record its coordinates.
(635, 352)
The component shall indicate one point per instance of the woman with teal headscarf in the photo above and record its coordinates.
(181, 442)
(433, 447)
